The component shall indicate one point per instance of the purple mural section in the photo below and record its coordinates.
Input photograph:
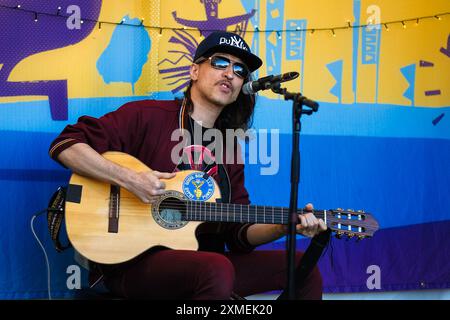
(438, 119)
(206, 27)
(39, 26)
(446, 51)
(426, 64)
(347, 265)
(432, 92)
(179, 73)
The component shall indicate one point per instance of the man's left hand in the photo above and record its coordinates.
(309, 225)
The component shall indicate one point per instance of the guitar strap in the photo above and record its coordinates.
(55, 216)
(309, 259)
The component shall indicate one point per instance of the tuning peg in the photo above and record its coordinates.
(338, 235)
(351, 235)
(350, 210)
(339, 209)
(360, 237)
(360, 211)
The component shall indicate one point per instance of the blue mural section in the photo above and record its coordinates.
(28, 179)
(274, 41)
(255, 22)
(296, 44)
(363, 173)
(381, 174)
(360, 119)
(371, 39)
(335, 69)
(371, 43)
(402, 182)
(409, 72)
(130, 45)
(295, 41)
(355, 42)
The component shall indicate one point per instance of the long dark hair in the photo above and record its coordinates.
(237, 115)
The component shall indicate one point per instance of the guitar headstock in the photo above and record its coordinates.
(351, 223)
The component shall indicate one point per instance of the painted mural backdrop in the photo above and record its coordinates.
(379, 142)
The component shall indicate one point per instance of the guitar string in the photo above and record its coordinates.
(182, 205)
(281, 214)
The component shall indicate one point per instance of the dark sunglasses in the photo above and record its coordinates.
(221, 63)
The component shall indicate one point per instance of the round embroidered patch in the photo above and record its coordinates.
(197, 188)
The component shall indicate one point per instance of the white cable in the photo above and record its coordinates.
(45, 253)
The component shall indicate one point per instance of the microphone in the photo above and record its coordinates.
(265, 83)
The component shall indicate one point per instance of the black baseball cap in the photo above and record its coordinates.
(227, 42)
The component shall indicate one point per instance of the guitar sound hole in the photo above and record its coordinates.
(171, 213)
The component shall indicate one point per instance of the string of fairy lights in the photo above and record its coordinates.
(332, 30)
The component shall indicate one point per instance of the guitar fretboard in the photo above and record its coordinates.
(231, 212)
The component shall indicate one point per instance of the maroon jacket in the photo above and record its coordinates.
(143, 129)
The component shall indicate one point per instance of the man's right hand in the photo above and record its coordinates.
(84, 160)
(147, 185)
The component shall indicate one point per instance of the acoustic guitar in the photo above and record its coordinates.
(108, 224)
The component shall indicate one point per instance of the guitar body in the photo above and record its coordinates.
(108, 224)
(138, 225)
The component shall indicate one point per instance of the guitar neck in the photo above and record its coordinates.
(231, 212)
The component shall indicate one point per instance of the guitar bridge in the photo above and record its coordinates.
(114, 206)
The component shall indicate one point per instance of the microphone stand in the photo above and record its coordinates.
(299, 102)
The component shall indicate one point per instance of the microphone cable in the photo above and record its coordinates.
(37, 214)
